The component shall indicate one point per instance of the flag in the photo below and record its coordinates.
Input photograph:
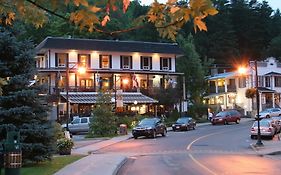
(135, 81)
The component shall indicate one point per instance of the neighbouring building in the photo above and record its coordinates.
(132, 70)
(227, 90)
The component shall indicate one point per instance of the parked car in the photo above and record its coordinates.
(149, 127)
(269, 112)
(78, 124)
(184, 124)
(225, 117)
(266, 129)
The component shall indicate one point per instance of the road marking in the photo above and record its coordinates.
(189, 146)
(201, 165)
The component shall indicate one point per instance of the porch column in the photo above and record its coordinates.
(225, 85)
(225, 101)
(273, 101)
(260, 101)
(216, 85)
(183, 88)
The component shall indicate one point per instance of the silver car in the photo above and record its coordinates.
(79, 124)
(270, 112)
(266, 128)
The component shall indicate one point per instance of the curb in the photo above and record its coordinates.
(119, 165)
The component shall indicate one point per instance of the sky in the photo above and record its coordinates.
(274, 4)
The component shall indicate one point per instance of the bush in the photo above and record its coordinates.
(64, 146)
(198, 111)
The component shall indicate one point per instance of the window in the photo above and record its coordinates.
(277, 81)
(61, 59)
(267, 82)
(260, 81)
(146, 63)
(242, 82)
(84, 120)
(126, 62)
(105, 61)
(86, 83)
(84, 60)
(165, 63)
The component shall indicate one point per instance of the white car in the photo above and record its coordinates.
(270, 112)
(79, 124)
(266, 129)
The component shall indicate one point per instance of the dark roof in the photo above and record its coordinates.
(108, 45)
(91, 97)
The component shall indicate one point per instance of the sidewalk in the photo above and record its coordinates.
(108, 164)
(270, 147)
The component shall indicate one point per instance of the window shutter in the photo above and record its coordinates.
(141, 62)
(170, 63)
(131, 62)
(121, 62)
(161, 63)
(78, 60)
(150, 60)
(110, 61)
(89, 61)
(100, 61)
(56, 59)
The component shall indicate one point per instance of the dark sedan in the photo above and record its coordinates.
(149, 127)
(184, 124)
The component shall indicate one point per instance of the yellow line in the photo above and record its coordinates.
(189, 146)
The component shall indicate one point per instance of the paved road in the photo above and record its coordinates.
(207, 150)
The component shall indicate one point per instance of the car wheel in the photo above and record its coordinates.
(225, 122)
(267, 116)
(164, 133)
(252, 137)
(237, 121)
(213, 123)
(153, 134)
(135, 137)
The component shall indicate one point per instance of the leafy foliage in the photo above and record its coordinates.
(167, 17)
(104, 120)
(250, 93)
(20, 104)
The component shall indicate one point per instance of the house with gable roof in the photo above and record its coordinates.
(228, 90)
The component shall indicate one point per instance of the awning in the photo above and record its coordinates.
(264, 90)
(91, 97)
(219, 94)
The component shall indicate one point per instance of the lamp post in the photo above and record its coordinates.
(80, 70)
(259, 142)
(243, 70)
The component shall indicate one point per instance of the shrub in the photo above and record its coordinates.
(64, 146)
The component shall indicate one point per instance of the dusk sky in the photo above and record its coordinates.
(272, 3)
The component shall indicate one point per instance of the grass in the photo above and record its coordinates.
(49, 167)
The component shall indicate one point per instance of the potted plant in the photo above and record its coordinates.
(64, 146)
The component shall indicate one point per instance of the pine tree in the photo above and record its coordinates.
(20, 103)
(104, 121)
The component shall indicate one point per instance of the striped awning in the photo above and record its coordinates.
(91, 97)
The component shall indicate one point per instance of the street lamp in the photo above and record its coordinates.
(243, 71)
(80, 70)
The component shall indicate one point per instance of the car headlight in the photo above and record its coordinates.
(220, 119)
(183, 124)
(173, 125)
(148, 128)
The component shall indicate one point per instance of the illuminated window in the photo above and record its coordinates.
(105, 61)
(86, 83)
(84, 60)
(61, 59)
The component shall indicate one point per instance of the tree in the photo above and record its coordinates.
(20, 104)
(274, 47)
(193, 69)
(168, 18)
(104, 121)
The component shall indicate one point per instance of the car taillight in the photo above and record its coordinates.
(253, 129)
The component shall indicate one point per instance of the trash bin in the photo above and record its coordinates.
(123, 129)
(1, 157)
(12, 154)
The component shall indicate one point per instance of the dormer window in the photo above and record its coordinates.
(61, 59)
(146, 63)
(165, 63)
(126, 62)
(105, 61)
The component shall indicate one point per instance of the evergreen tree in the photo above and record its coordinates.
(104, 121)
(20, 103)
(191, 65)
